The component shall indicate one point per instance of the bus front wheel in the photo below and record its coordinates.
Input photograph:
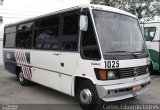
(87, 95)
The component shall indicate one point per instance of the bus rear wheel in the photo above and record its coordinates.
(87, 95)
(22, 80)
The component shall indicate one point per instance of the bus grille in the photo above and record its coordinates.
(130, 72)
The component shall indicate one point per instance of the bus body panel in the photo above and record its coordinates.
(68, 66)
(154, 45)
(122, 91)
(106, 85)
(68, 62)
(154, 54)
(62, 81)
(48, 60)
(46, 78)
(89, 72)
(9, 60)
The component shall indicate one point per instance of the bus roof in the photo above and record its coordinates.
(150, 22)
(91, 6)
(111, 9)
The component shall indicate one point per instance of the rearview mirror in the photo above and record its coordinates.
(83, 23)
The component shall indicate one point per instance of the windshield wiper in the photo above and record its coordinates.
(146, 53)
(127, 52)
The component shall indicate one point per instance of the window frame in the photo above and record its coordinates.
(4, 36)
(96, 38)
(34, 29)
(14, 40)
(30, 21)
(147, 32)
(71, 12)
(58, 13)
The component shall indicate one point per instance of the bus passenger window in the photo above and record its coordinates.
(47, 33)
(70, 32)
(10, 40)
(24, 35)
(10, 37)
(89, 47)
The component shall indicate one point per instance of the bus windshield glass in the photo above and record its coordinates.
(118, 33)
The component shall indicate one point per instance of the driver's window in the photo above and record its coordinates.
(89, 47)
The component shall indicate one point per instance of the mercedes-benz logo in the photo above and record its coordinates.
(135, 72)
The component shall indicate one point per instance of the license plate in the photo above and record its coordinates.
(135, 88)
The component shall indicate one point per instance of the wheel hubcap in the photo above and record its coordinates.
(21, 77)
(86, 96)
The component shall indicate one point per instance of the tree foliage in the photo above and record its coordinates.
(146, 9)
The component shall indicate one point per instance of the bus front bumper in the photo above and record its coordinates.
(122, 91)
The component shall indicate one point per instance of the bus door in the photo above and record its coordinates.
(69, 47)
(46, 55)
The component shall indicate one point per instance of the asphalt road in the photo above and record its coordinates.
(38, 96)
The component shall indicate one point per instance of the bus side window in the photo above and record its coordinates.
(47, 33)
(70, 32)
(9, 37)
(10, 40)
(89, 47)
(149, 33)
(24, 35)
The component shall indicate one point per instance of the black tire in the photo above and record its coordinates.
(90, 101)
(151, 69)
(22, 80)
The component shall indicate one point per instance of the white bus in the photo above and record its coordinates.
(151, 31)
(91, 52)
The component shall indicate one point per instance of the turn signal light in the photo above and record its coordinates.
(102, 74)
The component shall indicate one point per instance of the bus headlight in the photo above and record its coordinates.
(147, 70)
(148, 61)
(111, 74)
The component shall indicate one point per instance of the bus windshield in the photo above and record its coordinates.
(118, 33)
